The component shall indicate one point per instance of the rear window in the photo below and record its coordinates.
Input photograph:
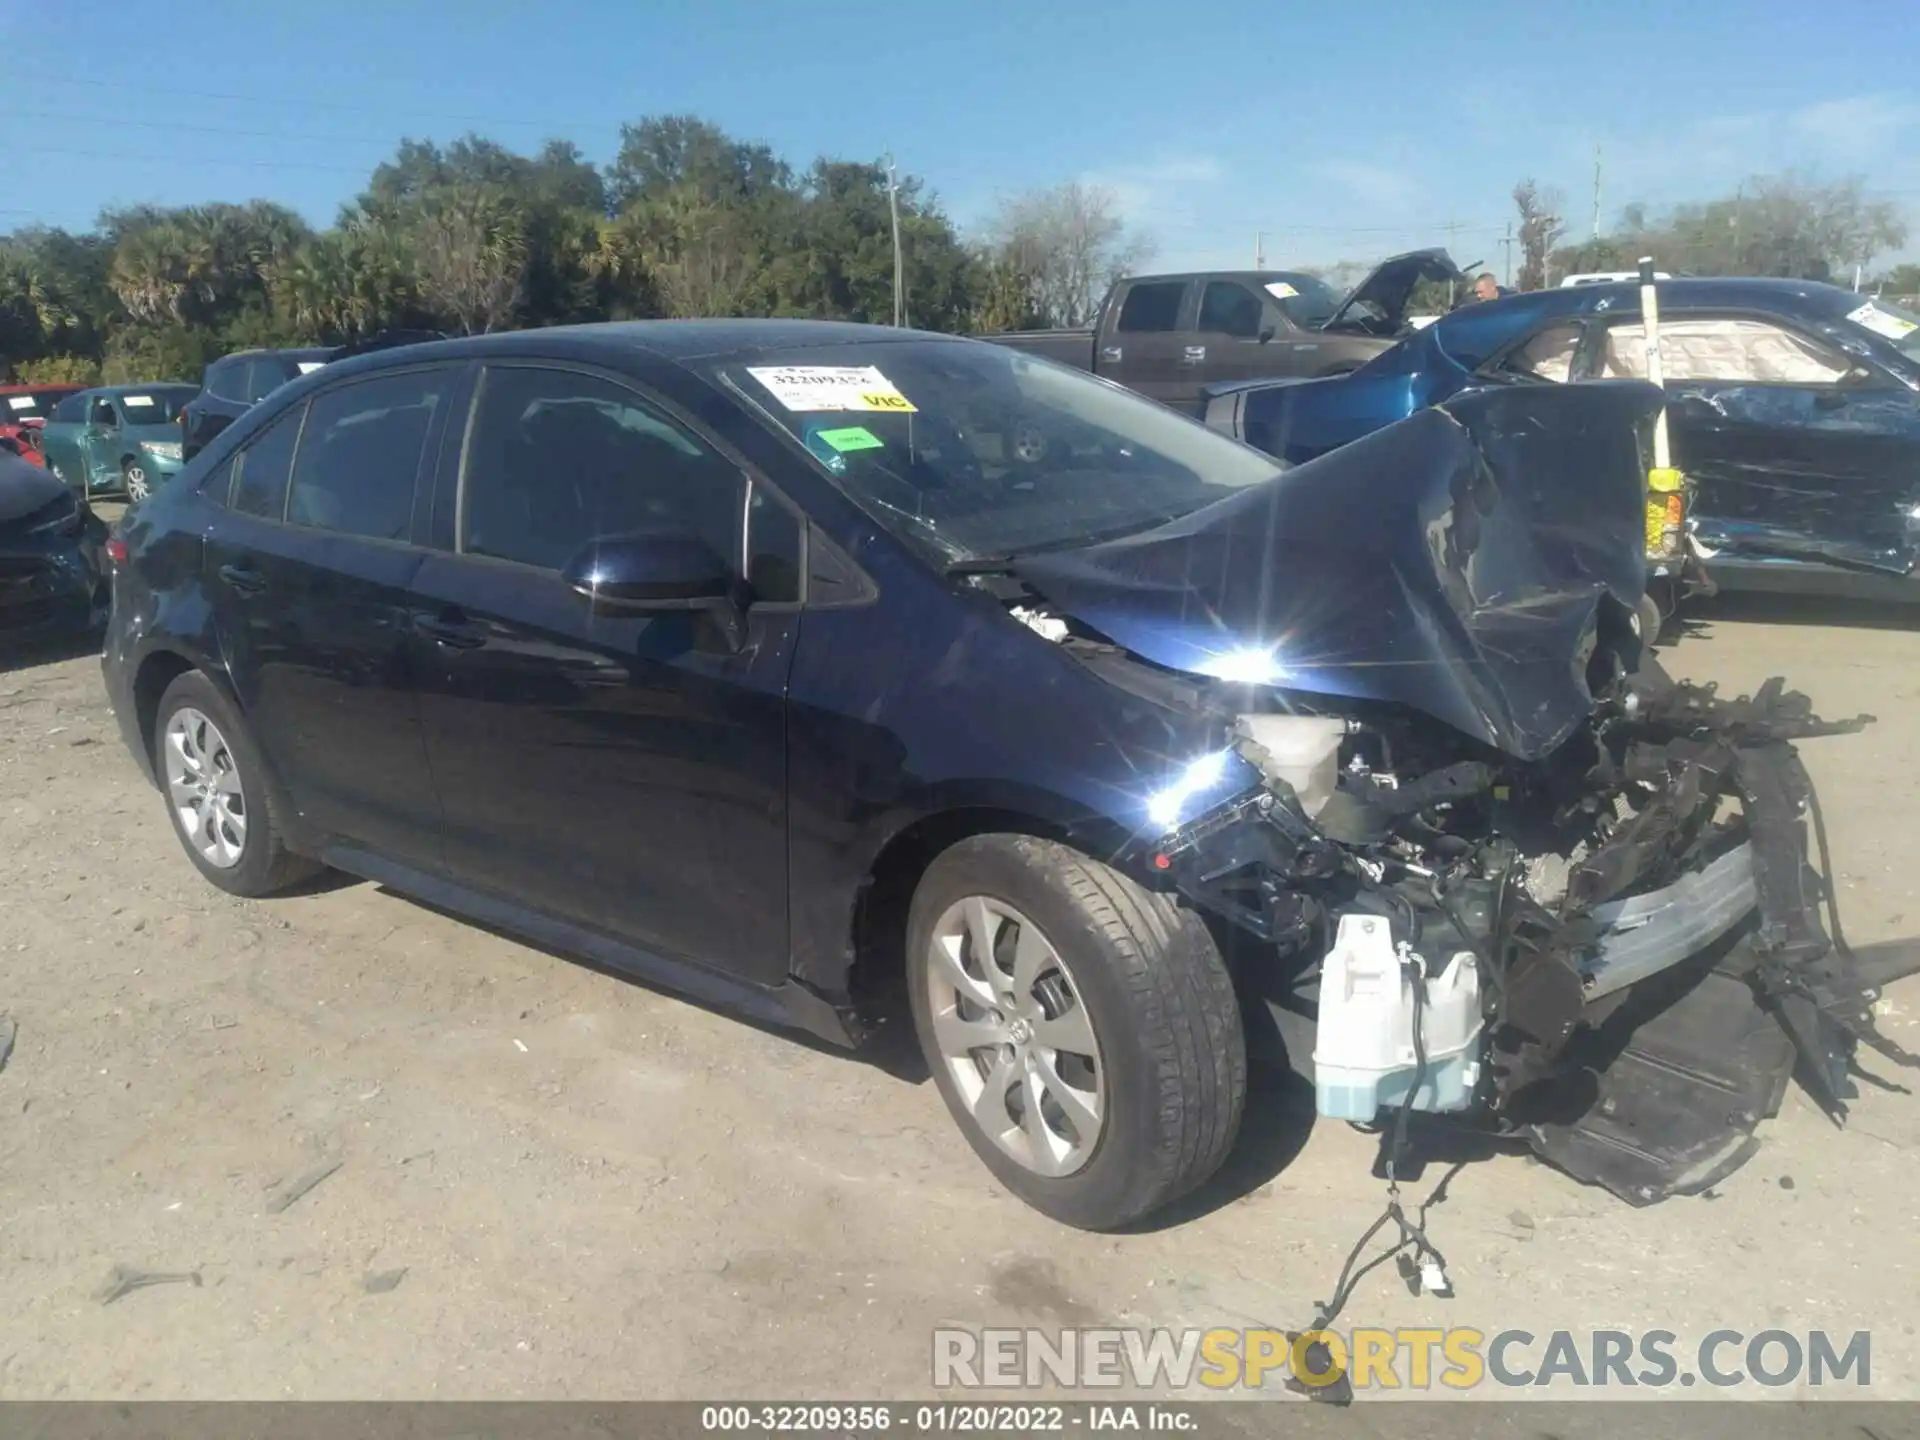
(34, 405)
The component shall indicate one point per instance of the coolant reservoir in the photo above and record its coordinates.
(1363, 1053)
(1302, 750)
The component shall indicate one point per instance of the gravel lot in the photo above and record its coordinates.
(552, 1182)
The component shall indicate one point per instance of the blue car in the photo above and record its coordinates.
(1793, 408)
(797, 665)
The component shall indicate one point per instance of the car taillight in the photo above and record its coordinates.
(116, 550)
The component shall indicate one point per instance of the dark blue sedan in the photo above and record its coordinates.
(1794, 409)
(794, 665)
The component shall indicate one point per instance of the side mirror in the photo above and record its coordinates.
(1266, 334)
(652, 570)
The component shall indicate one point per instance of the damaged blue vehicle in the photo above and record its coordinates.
(1793, 409)
(792, 665)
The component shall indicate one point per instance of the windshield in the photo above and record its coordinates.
(1890, 322)
(1308, 301)
(34, 405)
(975, 450)
(158, 406)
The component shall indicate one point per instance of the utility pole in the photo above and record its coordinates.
(1507, 244)
(1596, 192)
(899, 270)
(1259, 249)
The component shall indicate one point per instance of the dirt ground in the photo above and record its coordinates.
(552, 1182)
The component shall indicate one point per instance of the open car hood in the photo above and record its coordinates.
(1457, 562)
(1390, 286)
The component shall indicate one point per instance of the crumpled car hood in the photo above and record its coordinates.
(1455, 562)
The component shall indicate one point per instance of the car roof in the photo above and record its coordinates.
(142, 387)
(298, 352)
(674, 340)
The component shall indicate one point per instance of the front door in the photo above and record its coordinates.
(100, 444)
(309, 571)
(1244, 336)
(1796, 450)
(626, 772)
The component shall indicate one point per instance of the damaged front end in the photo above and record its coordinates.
(1581, 906)
(1617, 953)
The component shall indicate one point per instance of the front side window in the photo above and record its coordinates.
(265, 464)
(1153, 307)
(360, 454)
(970, 450)
(1722, 348)
(1229, 309)
(556, 459)
(102, 414)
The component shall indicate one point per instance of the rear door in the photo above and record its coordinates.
(1796, 448)
(626, 772)
(310, 568)
(1149, 347)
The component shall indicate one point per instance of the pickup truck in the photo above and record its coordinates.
(1170, 337)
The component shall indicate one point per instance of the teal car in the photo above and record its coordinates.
(118, 439)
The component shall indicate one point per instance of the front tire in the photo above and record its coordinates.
(216, 793)
(134, 476)
(1082, 1030)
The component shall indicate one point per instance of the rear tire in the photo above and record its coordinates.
(1132, 973)
(216, 793)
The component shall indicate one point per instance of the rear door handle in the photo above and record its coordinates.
(444, 630)
(244, 578)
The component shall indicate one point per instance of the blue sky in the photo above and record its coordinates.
(1342, 130)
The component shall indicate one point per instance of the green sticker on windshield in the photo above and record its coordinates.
(853, 437)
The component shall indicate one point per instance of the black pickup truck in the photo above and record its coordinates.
(1171, 336)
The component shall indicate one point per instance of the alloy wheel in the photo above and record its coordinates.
(1015, 1036)
(136, 482)
(203, 786)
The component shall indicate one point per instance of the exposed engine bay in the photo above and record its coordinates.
(1617, 951)
(1506, 865)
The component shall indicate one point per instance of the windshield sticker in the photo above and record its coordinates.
(307, 367)
(136, 401)
(854, 437)
(1280, 290)
(21, 402)
(831, 387)
(1871, 317)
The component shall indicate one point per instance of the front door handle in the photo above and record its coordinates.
(244, 578)
(446, 630)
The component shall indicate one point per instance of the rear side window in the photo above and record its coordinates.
(1229, 309)
(557, 459)
(360, 454)
(267, 374)
(1726, 348)
(1153, 307)
(261, 487)
(1548, 355)
(227, 379)
(71, 411)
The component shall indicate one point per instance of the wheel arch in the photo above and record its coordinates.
(876, 944)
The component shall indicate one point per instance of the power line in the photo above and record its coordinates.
(276, 164)
(43, 77)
